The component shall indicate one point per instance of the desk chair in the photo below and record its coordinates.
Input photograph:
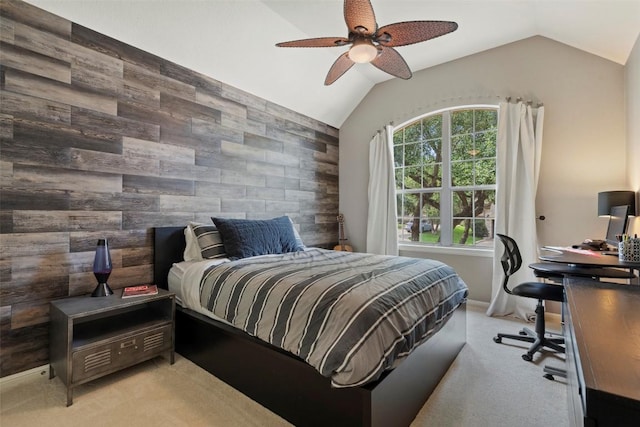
(511, 262)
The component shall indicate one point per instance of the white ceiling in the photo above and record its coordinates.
(234, 40)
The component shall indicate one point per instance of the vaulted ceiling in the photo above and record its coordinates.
(234, 40)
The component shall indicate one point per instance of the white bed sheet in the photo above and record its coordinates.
(184, 280)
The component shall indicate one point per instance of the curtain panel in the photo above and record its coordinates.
(382, 226)
(519, 149)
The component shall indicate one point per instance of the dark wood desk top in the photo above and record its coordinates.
(587, 259)
(606, 321)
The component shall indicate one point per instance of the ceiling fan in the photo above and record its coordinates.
(373, 44)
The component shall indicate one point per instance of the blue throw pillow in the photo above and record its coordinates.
(243, 238)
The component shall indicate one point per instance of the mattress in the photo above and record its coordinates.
(182, 277)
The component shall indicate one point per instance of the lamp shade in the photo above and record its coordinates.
(363, 51)
(609, 199)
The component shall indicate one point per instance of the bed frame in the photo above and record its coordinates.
(287, 385)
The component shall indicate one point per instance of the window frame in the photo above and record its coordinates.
(446, 190)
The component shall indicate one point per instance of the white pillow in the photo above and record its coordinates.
(297, 235)
(191, 250)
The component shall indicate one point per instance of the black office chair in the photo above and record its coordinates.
(511, 262)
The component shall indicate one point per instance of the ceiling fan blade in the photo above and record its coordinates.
(359, 16)
(341, 66)
(404, 33)
(390, 61)
(317, 42)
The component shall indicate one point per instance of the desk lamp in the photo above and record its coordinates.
(609, 199)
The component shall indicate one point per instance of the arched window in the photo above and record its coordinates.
(445, 169)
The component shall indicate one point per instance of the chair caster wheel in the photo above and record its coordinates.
(527, 357)
(549, 377)
(497, 339)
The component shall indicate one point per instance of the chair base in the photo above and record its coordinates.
(550, 371)
(538, 338)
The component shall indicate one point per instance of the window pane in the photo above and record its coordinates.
(413, 177)
(484, 232)
(412, 154)
(410, 204)
(421, 224)
(399, 179)
(486, 144)
(432, 151)
(432, 176)
(485, 172)
(461, 122)
(474, 217)
(398, 158)
(463, 231)
(398, 137)
(400, 201)
(468, 231)
(485, 203)
(430, 218)
(412, 133)
(461, 174)
(486, 119)
(432, 127)
(431, 206)
(423, 209)
(462, 147)
(462, 204)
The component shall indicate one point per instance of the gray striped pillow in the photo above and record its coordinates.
(209, 241)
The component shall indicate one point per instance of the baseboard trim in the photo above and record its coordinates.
(34, 372)
(476, 303)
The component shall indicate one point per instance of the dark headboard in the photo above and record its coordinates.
(168, 247)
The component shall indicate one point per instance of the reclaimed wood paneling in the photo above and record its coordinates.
(24, 12)
(38, 109)
(35, 63)
(100, 139)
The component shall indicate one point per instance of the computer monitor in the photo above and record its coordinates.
(617, 224)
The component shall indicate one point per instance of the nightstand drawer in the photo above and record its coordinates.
(120, 353)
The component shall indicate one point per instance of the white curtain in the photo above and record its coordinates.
(382, 228)
(519, 147)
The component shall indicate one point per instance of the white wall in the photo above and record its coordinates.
(632, 82)
(584, 149)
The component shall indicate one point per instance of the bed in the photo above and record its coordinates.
(291, 387)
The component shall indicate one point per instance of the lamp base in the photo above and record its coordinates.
(102, 290)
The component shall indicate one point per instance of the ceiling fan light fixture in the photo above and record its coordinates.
(373, 44)
(363, 51)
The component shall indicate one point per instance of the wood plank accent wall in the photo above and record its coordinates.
(98, 138)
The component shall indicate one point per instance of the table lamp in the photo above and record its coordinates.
(102, 269)
(609, 199)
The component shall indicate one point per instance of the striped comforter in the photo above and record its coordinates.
(349, 315)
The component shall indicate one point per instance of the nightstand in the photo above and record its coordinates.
(94, 336)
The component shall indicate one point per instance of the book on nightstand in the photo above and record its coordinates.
(138, 291)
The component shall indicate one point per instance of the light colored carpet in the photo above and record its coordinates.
(488, 385)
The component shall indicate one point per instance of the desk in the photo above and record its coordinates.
(602, 338)
(590, 259)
